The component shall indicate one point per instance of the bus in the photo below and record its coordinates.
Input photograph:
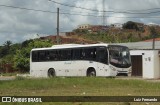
(80, 60)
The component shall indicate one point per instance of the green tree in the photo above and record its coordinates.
(130, 25)
(7, 44)
(5, 49)
(22, 56)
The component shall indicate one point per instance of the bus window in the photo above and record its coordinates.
(89, 53)
(64, 54)
(68, 54)
(53, 55)
(34, 56)
(77, 54)
(42, 56)
(47, 56)
(102, 55)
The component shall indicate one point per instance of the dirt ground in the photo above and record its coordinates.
(7, 78)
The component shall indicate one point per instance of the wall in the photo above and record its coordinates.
(150, 62)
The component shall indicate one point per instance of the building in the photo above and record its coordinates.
(153, 24)
(146, 63)
(117, 25)
(93, 28)
(84, 26)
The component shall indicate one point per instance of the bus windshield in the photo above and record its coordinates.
(119, 56)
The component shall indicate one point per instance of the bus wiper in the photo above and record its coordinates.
(125, 61)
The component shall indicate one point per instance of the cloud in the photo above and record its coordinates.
(18, 25)
(114, 19)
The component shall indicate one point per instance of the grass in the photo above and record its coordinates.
(79, 87)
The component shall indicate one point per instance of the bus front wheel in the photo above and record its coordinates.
(51, 73)
(91, 72)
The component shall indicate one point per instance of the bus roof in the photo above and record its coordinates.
(71, 46)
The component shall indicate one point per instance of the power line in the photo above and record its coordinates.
(145, 9)
(91, 15)
(73, 6)
(119, 9)
(37, 10)
(125, 12)
(26, 8)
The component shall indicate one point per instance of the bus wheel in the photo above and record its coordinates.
(91, 72)
(51, 73)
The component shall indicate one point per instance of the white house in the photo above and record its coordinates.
(145, 63)
(117, 25)
(84, 26)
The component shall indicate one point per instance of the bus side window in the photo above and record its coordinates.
(77, 54)
(47, 55)
(53, 55)
(93, 53)
(64, 54)
(34, 56)
(68, 54)
(89, 53)
(42, 56)
(102, 55)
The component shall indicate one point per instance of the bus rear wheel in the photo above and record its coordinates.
(51, 73)
(91, 72)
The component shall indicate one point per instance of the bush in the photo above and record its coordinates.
(130, 25)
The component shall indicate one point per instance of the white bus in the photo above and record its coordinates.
(80, 60)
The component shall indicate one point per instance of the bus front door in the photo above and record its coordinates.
(102, 58)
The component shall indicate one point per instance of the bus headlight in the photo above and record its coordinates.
(112, 68)
(130, 70)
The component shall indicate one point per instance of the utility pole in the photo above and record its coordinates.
(57, 38)
(153, 33)
(104, 18)
(153, 43)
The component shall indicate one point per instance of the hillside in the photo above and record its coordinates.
(129, 32)
(116, 35)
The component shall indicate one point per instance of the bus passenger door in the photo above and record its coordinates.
(102, 61)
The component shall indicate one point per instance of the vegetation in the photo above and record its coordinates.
(111, 38)
(79, 87)
(18, 55)
(130, 32)
(130, 25)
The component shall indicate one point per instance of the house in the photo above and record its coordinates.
(153, 24)
(92, 28)
(84, 26)
(117, 25)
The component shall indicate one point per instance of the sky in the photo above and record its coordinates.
(21, 20)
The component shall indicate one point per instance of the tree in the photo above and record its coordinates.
(22, 56)
(7, 44)
(130, 25)
(5, 49)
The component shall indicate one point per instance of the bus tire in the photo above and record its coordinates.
(91, 72)
(51, 73)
